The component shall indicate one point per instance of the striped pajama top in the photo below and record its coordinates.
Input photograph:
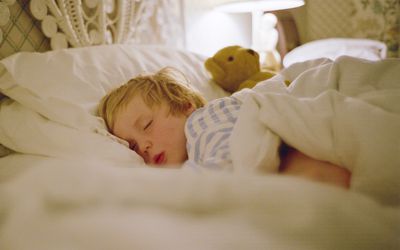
(208, 130)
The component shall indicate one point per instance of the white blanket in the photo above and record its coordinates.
(50, 203)
(346, 112)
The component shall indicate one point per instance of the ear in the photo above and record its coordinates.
(189, 108)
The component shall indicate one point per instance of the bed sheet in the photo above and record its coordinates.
(51, 203)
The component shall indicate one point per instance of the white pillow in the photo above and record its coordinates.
(64, 88)
(332, 48)
(79, 77)
(26, 131)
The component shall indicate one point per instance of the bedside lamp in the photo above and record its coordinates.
(260, 22)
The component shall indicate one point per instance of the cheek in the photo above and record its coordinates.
(173, 133)
(169, 131)
(165, 134)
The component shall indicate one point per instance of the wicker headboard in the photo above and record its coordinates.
(40, 25)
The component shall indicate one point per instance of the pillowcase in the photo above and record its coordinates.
(26, 131)
(64, 87)
(72, 79)
(334, 47)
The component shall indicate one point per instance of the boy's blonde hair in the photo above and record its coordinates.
(168, 84)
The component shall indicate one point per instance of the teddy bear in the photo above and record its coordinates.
(234, 68)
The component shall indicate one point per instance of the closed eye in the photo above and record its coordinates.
(148, 125)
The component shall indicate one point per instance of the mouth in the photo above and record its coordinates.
(159, 159)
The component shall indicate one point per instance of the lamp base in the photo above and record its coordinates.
(270, 60)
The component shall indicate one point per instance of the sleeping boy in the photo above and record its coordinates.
(169, 125)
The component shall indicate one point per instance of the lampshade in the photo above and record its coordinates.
(259, 5)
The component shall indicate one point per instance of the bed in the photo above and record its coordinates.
(66, 183)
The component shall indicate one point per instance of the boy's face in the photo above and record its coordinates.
(155, 134)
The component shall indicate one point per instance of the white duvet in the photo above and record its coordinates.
(57, 204)
(89, 195)
(346, 112)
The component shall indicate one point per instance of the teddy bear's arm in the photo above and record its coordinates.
(247, 84)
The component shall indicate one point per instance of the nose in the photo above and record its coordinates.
(252, 52)
(144, 146)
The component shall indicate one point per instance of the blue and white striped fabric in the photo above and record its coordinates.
(208, 130)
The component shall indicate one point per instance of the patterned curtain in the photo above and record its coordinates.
(379, 20)
(373, 19)
(20, 31)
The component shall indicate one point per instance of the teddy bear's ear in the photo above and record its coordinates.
(216, 71)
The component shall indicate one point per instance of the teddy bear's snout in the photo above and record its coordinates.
(252, 52)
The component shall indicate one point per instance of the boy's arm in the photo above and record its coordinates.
(295, 163)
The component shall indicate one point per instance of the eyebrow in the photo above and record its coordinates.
(136, 122)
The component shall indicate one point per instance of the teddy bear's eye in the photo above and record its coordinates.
(230, 59)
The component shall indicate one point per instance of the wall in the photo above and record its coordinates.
(208, 30)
